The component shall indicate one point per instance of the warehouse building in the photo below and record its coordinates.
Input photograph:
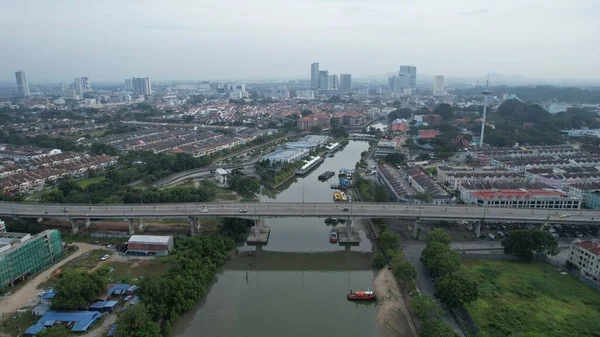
(23, 255)
(149, 245)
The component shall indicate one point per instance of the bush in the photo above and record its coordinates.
(379, 261)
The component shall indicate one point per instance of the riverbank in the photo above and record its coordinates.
(394, 314)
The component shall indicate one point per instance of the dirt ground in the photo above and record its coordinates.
(27, 295)
(393, 315)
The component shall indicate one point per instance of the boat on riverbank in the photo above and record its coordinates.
(333, 236)
(325, 176)
(366, 295)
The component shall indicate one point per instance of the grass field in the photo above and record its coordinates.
(83, 183)
(531, 300)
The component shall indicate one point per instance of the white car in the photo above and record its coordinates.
(204, 210)
(105, 257)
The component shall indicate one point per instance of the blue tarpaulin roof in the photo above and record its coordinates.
(97, 305)
(82, 319)
(118, 289)
(110, 304)
(48, 295)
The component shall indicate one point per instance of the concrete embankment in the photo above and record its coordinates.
(394, 314)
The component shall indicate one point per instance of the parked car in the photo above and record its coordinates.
(105, 257)
(491, 236)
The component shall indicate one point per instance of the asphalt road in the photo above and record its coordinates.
(355, 210)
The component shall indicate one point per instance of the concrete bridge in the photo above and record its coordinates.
(257, 211)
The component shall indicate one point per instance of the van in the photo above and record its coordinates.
(491, 236)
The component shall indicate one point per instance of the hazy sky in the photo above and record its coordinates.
(199, 39)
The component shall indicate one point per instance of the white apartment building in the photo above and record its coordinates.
(586, 256)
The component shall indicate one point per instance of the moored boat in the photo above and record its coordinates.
(333, 236)
(366, 295)
(337, 196)
(326, 175)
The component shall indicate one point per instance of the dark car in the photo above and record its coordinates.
(345, 210)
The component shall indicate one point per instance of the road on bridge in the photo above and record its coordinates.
(252, 210)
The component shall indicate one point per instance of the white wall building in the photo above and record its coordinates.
(305, 94)
(586, 256)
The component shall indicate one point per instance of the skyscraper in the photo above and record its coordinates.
(22, 84)
(128, 84)
(438, 85)
(323, 79)
(409, 76)
(333, 82)
(142, 86)
(87, 86)
(79, 86)
(345, 81)
(314, 75)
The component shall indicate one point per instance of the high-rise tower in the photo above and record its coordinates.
(486, 93)
(22, 84)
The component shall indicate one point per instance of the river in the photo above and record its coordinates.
(297, 285)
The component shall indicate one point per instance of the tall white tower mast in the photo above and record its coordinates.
(485, 93)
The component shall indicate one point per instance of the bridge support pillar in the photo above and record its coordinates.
(141, 224)
(87, 222)
(544, 224)
(194, 225)
(74, 226)
(131, 226)
(259, 233)
(348, 236)
(478, 229)
(416, 229)
(40, 220)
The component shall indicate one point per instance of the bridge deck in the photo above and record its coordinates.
(355, 210)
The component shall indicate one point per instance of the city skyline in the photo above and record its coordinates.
(112, 40)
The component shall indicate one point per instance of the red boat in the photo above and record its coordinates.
(333, 236)
(362, 296)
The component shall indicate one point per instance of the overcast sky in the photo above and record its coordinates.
(258, 39)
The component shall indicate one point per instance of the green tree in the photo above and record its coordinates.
(523, 243)
(425, 197)
(306, 113)
(402, 269)
(55, 331)
(316, 129)
(245, 185)
(77, 289)
(438, 235)
(395, 158)
(436, 328)
(424, 156)
(425, 307)
(100, 148)
(379, 261)
(136, 322)
(456, 289)
(388, 241)
(439, 259)
(445, 110)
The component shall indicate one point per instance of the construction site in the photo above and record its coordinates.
(23, 255)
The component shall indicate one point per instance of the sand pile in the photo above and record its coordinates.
(393, 315)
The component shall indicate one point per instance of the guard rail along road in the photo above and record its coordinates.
(298, 209)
